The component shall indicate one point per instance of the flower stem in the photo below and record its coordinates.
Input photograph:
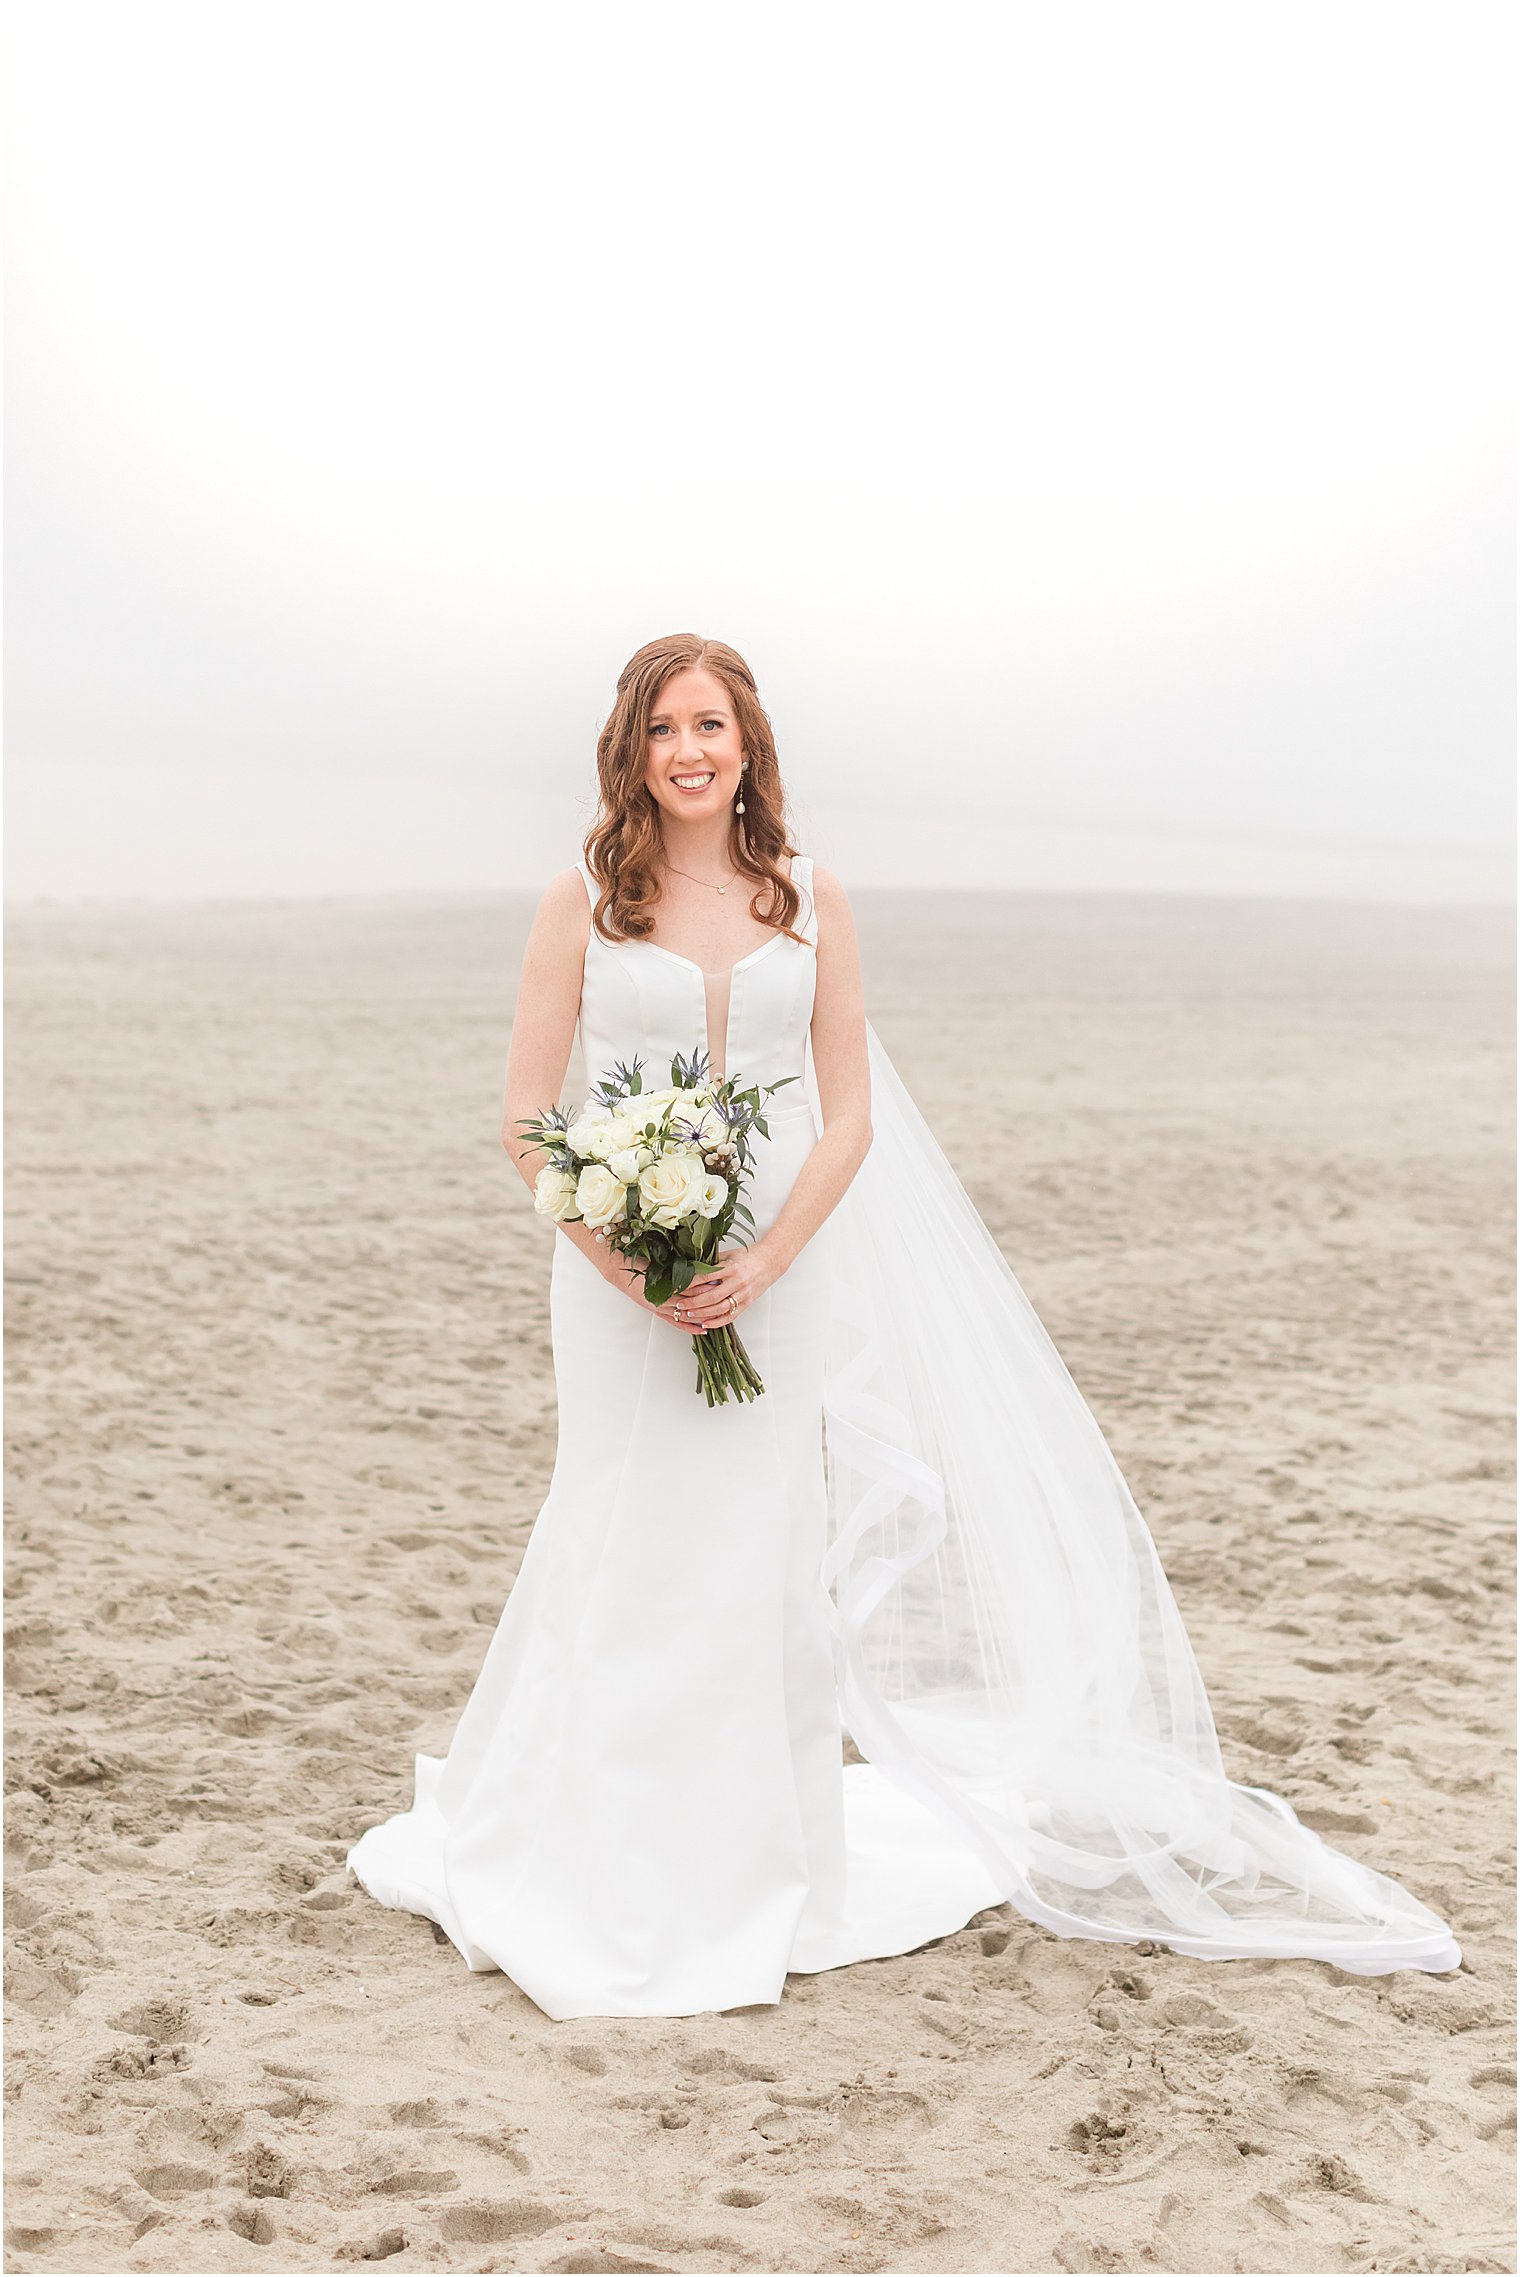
(724, 1369)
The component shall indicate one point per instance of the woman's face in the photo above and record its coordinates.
(695, 751)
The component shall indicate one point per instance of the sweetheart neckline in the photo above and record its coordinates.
(708, 972)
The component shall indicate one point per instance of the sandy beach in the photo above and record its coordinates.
(280, 1418)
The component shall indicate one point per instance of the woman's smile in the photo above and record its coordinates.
(695, 752)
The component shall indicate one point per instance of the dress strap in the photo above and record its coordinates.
(807, 915)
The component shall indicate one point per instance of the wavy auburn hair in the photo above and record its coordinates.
(624, 848)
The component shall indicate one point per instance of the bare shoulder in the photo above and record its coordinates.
(830, 898)
(561, 925)
(838, 947)
(563, 905)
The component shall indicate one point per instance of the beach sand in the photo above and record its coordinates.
(281, 1415)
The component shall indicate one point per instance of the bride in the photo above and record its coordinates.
(916, 1538)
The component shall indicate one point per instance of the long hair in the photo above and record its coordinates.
(623, 847)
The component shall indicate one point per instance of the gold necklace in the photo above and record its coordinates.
(703, 881)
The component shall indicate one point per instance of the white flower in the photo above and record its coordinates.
(554, 1194)
(669, 1186)
(600, 1196)
(612, 1136)
(648, 1107)
(712, 1197)
(582, 1134)
(629, 1161)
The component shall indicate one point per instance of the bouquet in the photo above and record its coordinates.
(660, 1175)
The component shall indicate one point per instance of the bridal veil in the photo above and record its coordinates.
(1007, 1645)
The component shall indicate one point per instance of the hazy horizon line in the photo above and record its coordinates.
(1472, 903)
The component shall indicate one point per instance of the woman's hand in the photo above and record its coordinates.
(716, 1299)
(628, 1276)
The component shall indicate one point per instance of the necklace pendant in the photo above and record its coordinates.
(722, 889)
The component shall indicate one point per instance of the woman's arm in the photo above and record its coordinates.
(842, 1066)
(543, 1031)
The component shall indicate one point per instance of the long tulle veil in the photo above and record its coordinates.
(1007, 1644)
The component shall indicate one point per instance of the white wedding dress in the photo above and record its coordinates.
(916, 1536)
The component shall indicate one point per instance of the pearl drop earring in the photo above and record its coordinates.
(739, 801)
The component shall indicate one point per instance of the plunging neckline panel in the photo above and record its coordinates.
(717, 995)
(720, 991)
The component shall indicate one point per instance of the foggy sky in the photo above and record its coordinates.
(1092, 421)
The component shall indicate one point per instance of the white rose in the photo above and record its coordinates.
(629, 1161)
(713, 1195)
(611, 1137)
(581, 1136)
(599, 1196)
(554, 1194)
(668, 1187)
(644, 1108)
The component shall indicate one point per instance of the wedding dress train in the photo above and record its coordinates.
(917, 1537)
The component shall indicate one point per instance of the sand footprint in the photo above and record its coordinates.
(718, 2063)
(598, 2261)
(380, 2248)
(495, 2221)
(1497, 2084)
(1101, 2138)
(1212, 2030)
(585, 2058)
(415, 2182)
(427, 2112)
(253, 2222)
(161, 2017)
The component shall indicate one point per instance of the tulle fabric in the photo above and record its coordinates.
(1007, 1646)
